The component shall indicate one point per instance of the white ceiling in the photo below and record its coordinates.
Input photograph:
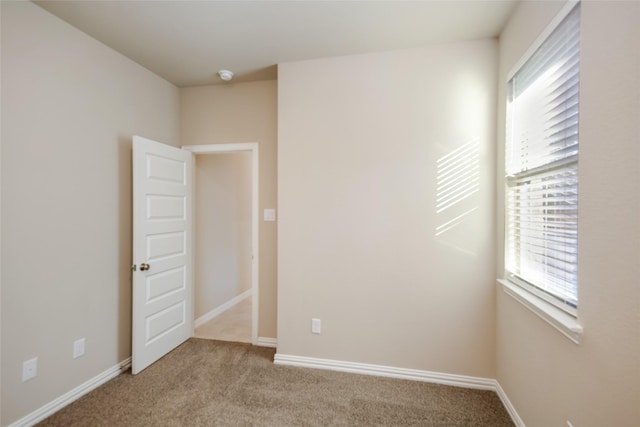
(187, 42)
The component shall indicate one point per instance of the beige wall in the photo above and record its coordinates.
(242, 112)
(69, 108)
(548, 378)
(222, 229)
(360, 242)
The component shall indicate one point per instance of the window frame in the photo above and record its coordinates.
(558, 313)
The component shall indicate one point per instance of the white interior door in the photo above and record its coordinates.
(162, 250)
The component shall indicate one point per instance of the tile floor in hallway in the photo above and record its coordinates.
(232, 325)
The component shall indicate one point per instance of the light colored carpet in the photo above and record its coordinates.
(232, 325)
(213, 383)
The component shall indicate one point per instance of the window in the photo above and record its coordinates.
(542, 168)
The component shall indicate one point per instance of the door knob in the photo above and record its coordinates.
(144, 267)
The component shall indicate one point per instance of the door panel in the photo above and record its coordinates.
(162, 235)
(162, 284)
(166, 245)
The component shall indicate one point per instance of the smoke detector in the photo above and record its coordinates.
(225, 75)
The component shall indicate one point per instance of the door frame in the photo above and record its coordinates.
(243, 147)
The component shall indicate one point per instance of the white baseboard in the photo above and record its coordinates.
(403, 373)
(509, 406)
(71, 396)
(267, 342)
(221, 308)
(386, 371)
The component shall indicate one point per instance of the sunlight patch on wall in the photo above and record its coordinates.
(443, 228)
(457, 175)
(458, 178)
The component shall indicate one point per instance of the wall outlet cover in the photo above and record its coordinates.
(78, 348)
(316, 326)
(29, 369)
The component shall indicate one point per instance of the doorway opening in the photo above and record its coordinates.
(226, 243)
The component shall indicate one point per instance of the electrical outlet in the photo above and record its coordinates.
(316, 326)
(78, 348)
(29, 369)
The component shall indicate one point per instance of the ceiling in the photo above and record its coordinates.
(187, 42)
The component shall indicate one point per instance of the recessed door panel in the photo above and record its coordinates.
(166, 169)
(166, 207)
(164, 322)
(165, 283)
(160, 246)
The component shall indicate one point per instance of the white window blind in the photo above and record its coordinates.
(542, 168)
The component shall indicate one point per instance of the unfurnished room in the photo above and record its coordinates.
(287, 213)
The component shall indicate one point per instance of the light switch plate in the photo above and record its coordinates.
(269, 214)
(316, 326)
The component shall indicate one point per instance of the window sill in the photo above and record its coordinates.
(563, 322)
